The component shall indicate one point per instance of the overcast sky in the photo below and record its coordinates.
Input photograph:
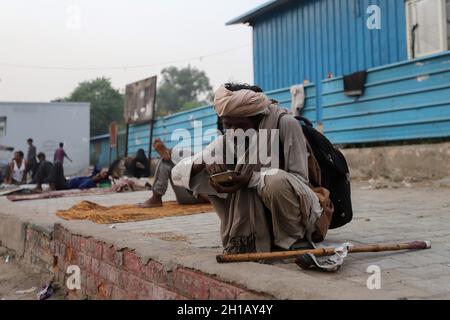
(49, 46)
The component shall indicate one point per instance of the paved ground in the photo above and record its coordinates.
(20, 283)
(420, 212)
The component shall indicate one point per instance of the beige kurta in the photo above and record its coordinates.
(283, 194)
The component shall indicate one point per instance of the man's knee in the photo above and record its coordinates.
(275, 184)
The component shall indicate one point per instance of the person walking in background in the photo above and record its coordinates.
(31, 159)
(60, 154)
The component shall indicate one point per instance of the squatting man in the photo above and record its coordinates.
(268, 205)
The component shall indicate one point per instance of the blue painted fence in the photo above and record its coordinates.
(402, 101)
(408, 100)
(99, 149)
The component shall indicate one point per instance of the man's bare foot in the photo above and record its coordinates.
(161, 149)
(154, 202)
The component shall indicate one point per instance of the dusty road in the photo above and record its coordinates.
(15, 278)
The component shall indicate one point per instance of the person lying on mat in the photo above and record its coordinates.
(163, 178)
(98, 177)
(264, 206)
(54, 176)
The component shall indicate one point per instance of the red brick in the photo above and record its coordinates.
(120, 294)
(223, 292)
(94, 248)
(132, 262)
(190, 284)
(90, 286)
(43, 240)
(66, 237)
(57, 232)
(150, 291)
(87, 264)
(62, 250)
(104, 289)
(129, 282)
(155, 272)
(83, 245)
(111, 255)
(95, 266)
(29, 234)
(75, 242)
(109, 273)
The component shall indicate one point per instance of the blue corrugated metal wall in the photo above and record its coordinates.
(409, 100)
(283, 96)
(164, 127)
(309, 39)
(99, 149)
(403, 101)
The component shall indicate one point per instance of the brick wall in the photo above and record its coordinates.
(111, 273)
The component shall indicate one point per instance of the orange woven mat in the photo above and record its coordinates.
(87, 210)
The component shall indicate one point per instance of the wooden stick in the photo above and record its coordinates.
(247, 257)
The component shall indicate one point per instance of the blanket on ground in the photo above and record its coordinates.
(59, 194)
(87, 210)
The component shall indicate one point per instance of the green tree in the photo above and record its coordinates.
(106, 103)
(182, 89)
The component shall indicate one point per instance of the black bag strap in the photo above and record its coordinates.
(305, 121)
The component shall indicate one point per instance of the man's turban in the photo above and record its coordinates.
(241, 103)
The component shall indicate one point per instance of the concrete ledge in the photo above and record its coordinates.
(12, 233)
(131, 263)
(422, 161)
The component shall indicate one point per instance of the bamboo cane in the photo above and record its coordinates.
(271, 256)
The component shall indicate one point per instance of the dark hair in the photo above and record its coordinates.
(41, 155)
(61, 144)
(30, 140)
(20, 153)
(242, 86)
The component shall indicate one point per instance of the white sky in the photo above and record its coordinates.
(114, 33)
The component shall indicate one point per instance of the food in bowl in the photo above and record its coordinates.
(223, 178)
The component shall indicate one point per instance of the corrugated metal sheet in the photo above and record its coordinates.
(402, 101)
(309, 39)
(283, 96)
(205, 117)
(165, 127)
(99, 149)
(408, 100)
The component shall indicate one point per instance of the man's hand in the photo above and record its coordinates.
(215, 168)
(239, 182)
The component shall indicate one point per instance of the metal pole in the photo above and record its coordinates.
(126, 139)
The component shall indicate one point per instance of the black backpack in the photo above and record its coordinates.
(334, 171)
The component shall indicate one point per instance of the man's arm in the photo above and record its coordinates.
(65, 155)
(8, 179)
(25, 172)
(197, 168)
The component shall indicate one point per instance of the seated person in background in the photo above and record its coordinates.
(43, 171)
(139, 166)
(17, 169)
(162, 179)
